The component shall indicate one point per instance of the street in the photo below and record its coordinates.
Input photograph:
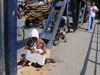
(80, 55)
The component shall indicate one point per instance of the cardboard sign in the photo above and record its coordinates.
(34, 57)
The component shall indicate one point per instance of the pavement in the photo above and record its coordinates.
(80, 55)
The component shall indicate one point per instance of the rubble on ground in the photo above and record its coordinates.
(36, 13)
(30, 70)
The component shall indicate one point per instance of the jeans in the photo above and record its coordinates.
(90, 23)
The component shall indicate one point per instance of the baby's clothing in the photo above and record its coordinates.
(40, 50)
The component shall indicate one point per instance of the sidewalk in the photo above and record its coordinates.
(80, 55)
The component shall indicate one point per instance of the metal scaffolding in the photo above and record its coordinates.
(8, 26)
(8, 45)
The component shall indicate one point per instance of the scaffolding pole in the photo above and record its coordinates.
(8, 40)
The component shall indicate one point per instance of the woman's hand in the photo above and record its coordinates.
(31, 48)
(33, 51)
(37, 52)
(26, 47)
(95, 10)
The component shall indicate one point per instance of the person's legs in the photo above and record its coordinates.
(92, 21)
(89, 23)
(37, 65)
(23, 62)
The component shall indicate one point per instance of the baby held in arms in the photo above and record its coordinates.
(38, 48)
(36, 54)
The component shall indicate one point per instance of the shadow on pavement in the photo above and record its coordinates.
(83, 71)
(22, 45)
(31, 26)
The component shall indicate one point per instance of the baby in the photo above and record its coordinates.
(38, 48)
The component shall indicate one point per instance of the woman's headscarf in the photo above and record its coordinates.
(34, 33)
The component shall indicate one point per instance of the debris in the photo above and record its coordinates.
(30, 70)
(35, 13)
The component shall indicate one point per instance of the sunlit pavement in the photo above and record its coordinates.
(80, 55)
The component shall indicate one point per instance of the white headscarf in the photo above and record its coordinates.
(34, 33)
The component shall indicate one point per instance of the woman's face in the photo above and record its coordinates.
(34, 39)
(93, 4)
(53, 0)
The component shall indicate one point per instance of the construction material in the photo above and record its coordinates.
(35, 13)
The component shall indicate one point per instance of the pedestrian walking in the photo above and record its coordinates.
(92, 12)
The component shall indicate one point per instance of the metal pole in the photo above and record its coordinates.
(77, 12)
(83, 14)
(8, 42)
(2, 55)
(73, 14)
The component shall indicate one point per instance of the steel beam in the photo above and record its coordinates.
(73, 14)
(8, 40)
(57, 23)
(78, 11)
(82, 20)
(2, 55)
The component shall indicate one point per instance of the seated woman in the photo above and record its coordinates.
(32, 45)
(33, 40)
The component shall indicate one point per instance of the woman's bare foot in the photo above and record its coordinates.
(19, 66)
